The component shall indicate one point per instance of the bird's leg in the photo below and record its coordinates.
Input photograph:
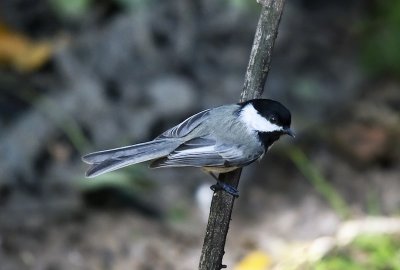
(223, 186)
(226, 187)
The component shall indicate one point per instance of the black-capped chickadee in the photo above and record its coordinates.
(218, 140)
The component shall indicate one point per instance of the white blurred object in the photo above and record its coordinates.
(376, 225)
(320, 247)
(203, 199)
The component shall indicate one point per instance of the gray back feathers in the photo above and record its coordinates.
(211, 138)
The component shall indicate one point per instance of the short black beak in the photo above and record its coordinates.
(289, 132)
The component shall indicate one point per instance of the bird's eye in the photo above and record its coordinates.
(273, 119)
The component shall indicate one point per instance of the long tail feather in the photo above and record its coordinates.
(113, 159)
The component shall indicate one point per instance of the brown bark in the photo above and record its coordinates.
(256, 75)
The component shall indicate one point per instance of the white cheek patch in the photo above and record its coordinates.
(255, 122)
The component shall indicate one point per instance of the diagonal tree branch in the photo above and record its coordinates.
(256, 75)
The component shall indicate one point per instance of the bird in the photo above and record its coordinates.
(218, 140)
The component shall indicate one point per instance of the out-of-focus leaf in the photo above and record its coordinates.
(179, 213)
(21, 53)
(244, 4)
(367, 251)
(319, 182)
(71, 9)
(134, 4)
(129, 179)
(380, 45)
(256, 260)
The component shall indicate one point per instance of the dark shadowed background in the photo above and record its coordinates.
(77, 76)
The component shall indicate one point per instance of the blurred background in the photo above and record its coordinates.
(78, 76)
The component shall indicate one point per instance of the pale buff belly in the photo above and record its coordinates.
(219, 169)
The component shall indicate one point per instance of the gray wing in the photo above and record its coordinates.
(186, 126)
(202, 152)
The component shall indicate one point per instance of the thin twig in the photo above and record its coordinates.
(256, 75)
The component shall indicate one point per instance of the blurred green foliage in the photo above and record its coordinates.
(71, 9)
(381, 38)
(132, 180)
(312, 174)
(77, 9)
(178, 213)
(373, 203)
(244, 4)
(65, 123)
(377, 252)
(134, 4)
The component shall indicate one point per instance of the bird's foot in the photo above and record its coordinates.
(226, 187)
